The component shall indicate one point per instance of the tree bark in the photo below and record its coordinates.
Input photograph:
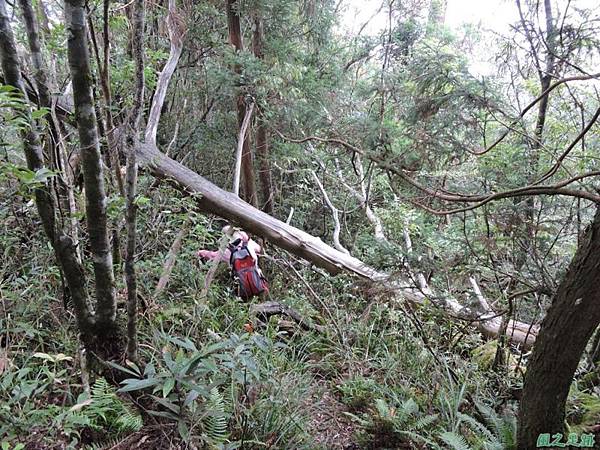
(235, 39)
(55, 145)
(261, 139)
(111, 138)
(95, 194)
(131, 178)
(33, 38)
(64, 249)
(264, 166)
(227, 205)
(564, 334)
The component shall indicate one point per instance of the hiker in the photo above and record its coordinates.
(242, 255)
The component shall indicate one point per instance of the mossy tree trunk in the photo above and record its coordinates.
(62, 244)
(93, 176)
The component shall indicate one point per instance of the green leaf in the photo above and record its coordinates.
(141, 200)
(44, 356)
(185, 343)
(455, 441)
(192, 395)
(183, 429)
(167, 404)
(135, 385)
(39, 113)
(214, 347)
(121, 368)
(149, 371)
(133, 366)
(168, 387)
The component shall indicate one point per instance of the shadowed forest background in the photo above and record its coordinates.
(425, 194)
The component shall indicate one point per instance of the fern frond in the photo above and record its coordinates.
(129, 421)
(455, 441)
(107, 410)
(417, 437)
(424, 421)
(493, 446)
(478, 427)
(491, 417)
(508, 434)
(409, 407)
(104, 444)
(215, 421)
(383, 410)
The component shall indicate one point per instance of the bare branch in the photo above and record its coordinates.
(237, 173)
(176, 31)
(479, 199)
(561, 158)
(532, 104)
(334, 213)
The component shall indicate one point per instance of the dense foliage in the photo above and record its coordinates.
(420, 155)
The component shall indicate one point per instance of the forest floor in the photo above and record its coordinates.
(368, 382)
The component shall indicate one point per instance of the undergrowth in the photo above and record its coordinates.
(375, 379)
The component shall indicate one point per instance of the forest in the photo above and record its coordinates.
(299, 224)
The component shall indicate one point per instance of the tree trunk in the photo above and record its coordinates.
(545, 75)
(264, 166)
(31, 26)
(563, 336)
(262, 143)
(111, 140)
(54, 144)
(64, 249)
(131, 179)
(239, 152)
(95, 205)
(235, 39)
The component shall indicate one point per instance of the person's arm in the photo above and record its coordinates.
(254, 248)
(208, 255)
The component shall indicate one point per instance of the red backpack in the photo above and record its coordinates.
(246, 273)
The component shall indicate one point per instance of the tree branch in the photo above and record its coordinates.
(237, 173)
(176, 31)
(334, 212)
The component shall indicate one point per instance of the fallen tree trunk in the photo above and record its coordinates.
(229, 206)
(216, 201)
